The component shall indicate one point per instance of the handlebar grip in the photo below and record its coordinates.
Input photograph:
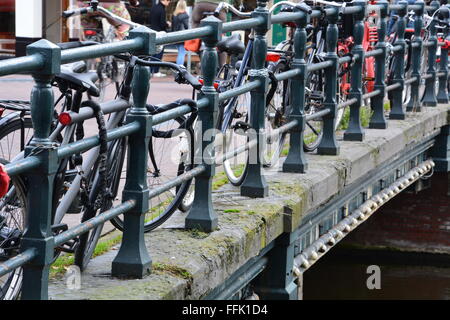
(218, 9)
(193, 81)
(69, 13)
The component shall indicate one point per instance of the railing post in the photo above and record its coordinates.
(442, 95)
(133, 260)
(328, 145)
(355, 131)
(202, 215)
(397, 111)
(276, 282)
(296, 160)
(378, 120)
(414, 103)
(38, 234)
(255, 184)
(429, 98)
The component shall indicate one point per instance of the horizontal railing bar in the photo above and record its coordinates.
(88, 143)
(429, 8)
(251, 144)
(396, 48)
(22, 64)
(286, 17)
(415, 45)
(20, 166)
(372, 94)
(287, 74)
(411, 80)
(177, 181)
(373, 53)
(351, 10)
(177, 112)
(107, 108)
(317, 114)
(100, 50)
(393, 7)
(427, 76)
(319, 66)
(441, 74)
(90, 224)
(242, 24)
(393, 86)
(428, 43)
(179, 36)
(344, 59)
(441, 43)
(17, 261)
(247, 87)
(347, 103)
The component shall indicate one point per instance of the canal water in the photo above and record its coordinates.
(343, 272)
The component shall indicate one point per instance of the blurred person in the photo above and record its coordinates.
(116, 7)
(180, 21)
(200, 7)
(158, 22)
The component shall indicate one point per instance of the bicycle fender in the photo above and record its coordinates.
(10, 117)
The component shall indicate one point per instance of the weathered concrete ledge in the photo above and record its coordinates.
(189, 264)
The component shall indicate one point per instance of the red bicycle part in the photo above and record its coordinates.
(4, 181)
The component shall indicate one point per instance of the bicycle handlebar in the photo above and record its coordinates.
(224, 5)
(183, 74)
(94, 7)
(76, 12)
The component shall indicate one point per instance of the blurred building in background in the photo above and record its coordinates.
(26, 21)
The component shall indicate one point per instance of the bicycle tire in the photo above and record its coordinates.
(88, 241)
(180, 191)
(10, 128)
(11, 283)
(278, 105)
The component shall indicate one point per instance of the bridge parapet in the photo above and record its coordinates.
(194, 265)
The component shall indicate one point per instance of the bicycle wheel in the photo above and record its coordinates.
(314, 103)
(88, 240)
(171, 154)
(13, 208)
(275, 116)
(14, 136)
(236, 135)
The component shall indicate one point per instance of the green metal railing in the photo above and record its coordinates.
(39, 166)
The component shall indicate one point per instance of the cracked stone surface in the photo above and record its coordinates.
(203, 261)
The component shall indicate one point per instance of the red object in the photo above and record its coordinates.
(216, 84)
(409, 30)
(1, 111)
(4, 181)
(65, 119)
(289, 24)
(193, 45)
(90, 32)
(273, 56)
(7, 5)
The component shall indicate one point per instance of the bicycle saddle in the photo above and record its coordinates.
(79, 81)
(231, 45)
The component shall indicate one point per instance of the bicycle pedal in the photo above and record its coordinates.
(58, 228)
(69, 246)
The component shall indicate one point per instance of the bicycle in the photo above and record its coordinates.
(80, 186)
(314, 94)
(109, 70)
